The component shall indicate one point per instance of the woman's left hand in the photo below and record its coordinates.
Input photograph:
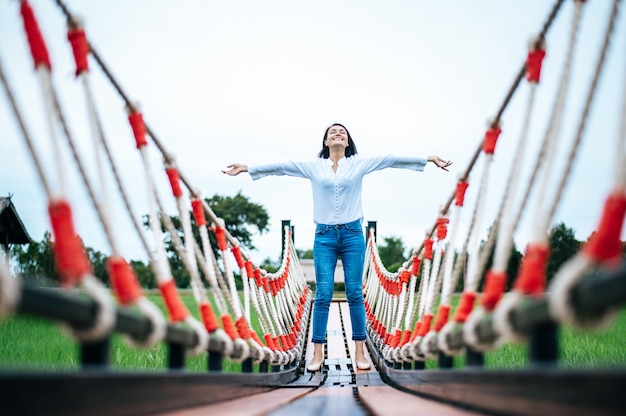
(441, 163)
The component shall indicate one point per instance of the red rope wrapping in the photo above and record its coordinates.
(605, 243)
(491, 138)
(442, 317)
(415, 269)
(427, 320)
(258, 278)
(395, 339)
(466, 304)
(255, 336)
(220, 234)
(428, 249)
(406, 337)
(139, 128)
(495, 283)
(72, 262)
(174, 178)
(229, 327)
(123, 280)
(176, 308)
(198, 212)
(208, 317)
(531, 279)
(80, 49)
(269, 341)
(533, 64)
(239, 258)
(405, 276)
(461, 187)
(442, 228)
(37, 45)
(243, 328)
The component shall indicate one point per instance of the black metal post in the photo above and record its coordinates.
(474, 358)
(420, 365)
(407, 365)
(544, 344)
(216, 360)
(264, 366)
(175, 356)
(95, 354)
(285, 223)
(246, 365)
(445, 361)
(370, 225)
(276, 368)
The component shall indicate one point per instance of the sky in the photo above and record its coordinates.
(259, 81)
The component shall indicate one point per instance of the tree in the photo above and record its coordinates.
(563, 245)
(392, 253)
(242, 218)
(35, 262)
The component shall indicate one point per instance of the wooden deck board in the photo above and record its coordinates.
(258, 404)
(385, 400)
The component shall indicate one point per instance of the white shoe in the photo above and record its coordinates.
(315, 366)
(363, 365)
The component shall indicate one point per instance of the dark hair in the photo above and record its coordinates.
(350, 150)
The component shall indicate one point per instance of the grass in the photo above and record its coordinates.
(33, 343)
(30, 343)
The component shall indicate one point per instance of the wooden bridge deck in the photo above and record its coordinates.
(340, 389)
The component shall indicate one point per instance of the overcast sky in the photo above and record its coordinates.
(259, 81)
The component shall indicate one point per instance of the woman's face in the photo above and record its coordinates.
(336, 137)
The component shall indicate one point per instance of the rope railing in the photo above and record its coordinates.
(281, 301)
(493, 323)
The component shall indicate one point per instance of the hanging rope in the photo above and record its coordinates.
(71, 259)
(531, 279)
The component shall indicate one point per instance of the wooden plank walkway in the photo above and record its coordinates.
(343, 389)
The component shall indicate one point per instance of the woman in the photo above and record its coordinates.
(336, 177)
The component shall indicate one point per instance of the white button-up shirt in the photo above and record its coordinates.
(337, 195)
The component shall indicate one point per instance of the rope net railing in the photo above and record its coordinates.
(410, 313)
(280, 301)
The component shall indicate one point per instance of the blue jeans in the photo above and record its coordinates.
(331, 241)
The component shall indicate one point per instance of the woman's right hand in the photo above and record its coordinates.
(235, 169)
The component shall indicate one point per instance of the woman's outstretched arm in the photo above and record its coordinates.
(441, 163)
(235, 169)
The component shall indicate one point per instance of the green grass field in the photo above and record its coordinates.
(28, 343)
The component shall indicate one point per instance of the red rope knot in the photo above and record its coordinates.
(123, 280)
(427, 319)
(229, 327)
(534, 60)
(406, 337)
(466, 304)
(80, 48)
(415, 267)
(266, 284)
(238, 257)
(198, 212)
(37, 45)
(495, 282)
(72, 262)
(175, 307)
(174, 178)
(442, 228)
(220, 234)
(531, 279)
(491, 138)
(461, 187)
(208, 317)
(405, 276)
(249, 269)
(243, 328)
(428, 249)
(442, 317)
(605, 244)
(139, 128)
(258, 278)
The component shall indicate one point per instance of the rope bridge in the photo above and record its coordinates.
(410, 312)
